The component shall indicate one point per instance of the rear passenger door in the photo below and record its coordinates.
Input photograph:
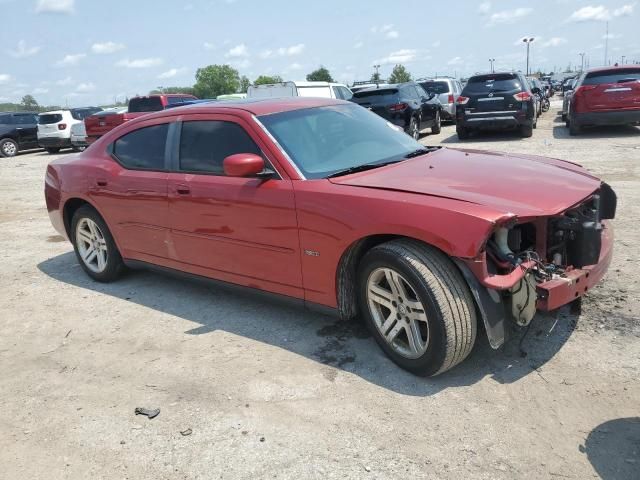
(236, 229)
(26, 125)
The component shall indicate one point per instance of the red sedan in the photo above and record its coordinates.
(326, 203)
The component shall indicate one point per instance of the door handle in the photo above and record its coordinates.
(101, 183)
(183, 190)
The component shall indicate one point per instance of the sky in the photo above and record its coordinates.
(92, 52)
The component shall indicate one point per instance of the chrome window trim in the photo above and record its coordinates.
(282, 150)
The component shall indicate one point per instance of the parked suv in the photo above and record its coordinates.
(496, 101)
(98, 125)
(448, 90)
(300, 89)
(605, 96)
(405, 105)
(54, 128)
(18, 131)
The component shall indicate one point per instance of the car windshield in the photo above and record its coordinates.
(324, 140)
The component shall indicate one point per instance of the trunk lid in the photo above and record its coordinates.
(492, 93)
(525, 185)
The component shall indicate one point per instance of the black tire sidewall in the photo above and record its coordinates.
(431, 361)
(114, 260)
(2, 142)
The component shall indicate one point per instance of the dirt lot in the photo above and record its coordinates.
(274, 392)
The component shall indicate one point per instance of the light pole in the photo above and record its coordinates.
(581, 61)
(528, 42)
(623, 57)
(491, 60)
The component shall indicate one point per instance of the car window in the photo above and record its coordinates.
(177, 100)
(82, 113)
(5, 120)
(378, 96)
(494, 83)
(346, 93)
(438, 87)
(421, 92)
(619, 75)
(205, 144)
(145, 104)
(337, 92)
(143, 149)
(49, 118)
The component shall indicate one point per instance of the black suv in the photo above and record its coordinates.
(18, 131)
(496, 101)
(406, 105)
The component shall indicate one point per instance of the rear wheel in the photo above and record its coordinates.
(8, 148)
(417, 306)
(526, 131)
(53, 149)
(414, 128)
(463, 132)
(574, 128)
(437, 126)
(94, 246)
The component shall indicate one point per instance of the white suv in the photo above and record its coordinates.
(300, 89)
(54, 128)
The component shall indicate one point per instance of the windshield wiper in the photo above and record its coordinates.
(360, 168)
(420, 151)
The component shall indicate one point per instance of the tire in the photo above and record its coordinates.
(86, 219)
(53, 150)
(437, 126)
(414, 128)
(432, 296)
(574, 128)
(78, 149)
(463, 132)
(8, 148)
(526, 131)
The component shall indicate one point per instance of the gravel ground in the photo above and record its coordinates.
(274, 392)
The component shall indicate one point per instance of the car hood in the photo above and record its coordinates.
(524, 185)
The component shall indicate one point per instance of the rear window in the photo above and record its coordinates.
(435, 87)
(493, 83)
(145, 104)
(177, 100)
(381, 96)
(49, 118)
(82, 113)
(619, 75)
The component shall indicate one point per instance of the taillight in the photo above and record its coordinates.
(450, 99)
(398, 107)
(462, 100)
(584, 88)
(522, 96)
(62, 126)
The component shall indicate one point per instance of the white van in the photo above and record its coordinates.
(300, 89)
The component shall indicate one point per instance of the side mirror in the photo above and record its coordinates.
(243, 165)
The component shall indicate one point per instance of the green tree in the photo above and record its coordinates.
(399, 74)
(320, 75)
(215, 80)
(244, 84)
(185, 90)
(29, 103)
(267, 79)
(375, 77)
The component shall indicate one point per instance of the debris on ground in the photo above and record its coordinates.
(150, 413)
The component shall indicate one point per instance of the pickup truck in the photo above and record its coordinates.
(98, 125)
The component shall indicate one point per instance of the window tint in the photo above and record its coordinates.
(5, 119)
(337, 93)
(619, 75)
(493, 83)
(145, 104)
(421, 92)
(177, 100)
(378, 96)
(49, 118)
(205, 144)
(82, 113)
(143, 148)
(435, 87)
(346, 93)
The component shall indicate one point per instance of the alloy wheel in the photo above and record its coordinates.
(9, 149)
(92, 245)
(415, 133)
(397, 312)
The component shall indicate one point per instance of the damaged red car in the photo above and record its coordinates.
(327, 204)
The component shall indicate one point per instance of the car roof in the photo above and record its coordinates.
(254, 106)
(613, 68)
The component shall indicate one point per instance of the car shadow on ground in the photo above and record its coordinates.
(613, 448)
(560, 131)
(346, 346)
(488, 137)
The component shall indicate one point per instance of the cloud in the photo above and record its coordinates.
(4, 78)
(455, 61)
(22, 51)
(589, 13)
(554, 42)
(392, 34)
(85, 87)
(484, 8)
(611, 36)
(387, 30)
(65, 81)
(106, 47)
(292, 50)
(624, 11)
(40, 91)
(508, 16)
(358, 45)
(140, 62)
(293, 66)
(401, 56)
(239, 51)
(172, 73)
(209, 46)
(55, 6)
(71, 60)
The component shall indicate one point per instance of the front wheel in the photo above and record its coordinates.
(53, 150)
(463, 132)
(414, 128)
(574, 128)
(417, 306)
(437, 126)
(94, 245)
(526, 131)
(8, 148)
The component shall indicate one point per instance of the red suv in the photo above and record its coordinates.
(605, 96)
(98, 125)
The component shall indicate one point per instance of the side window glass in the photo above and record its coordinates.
(337, 93)
(143, 149)
(346, 93)
(205, 144)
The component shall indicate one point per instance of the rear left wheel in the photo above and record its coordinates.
(437, 126)
(417, 306)
(8, 148)
(414, 128)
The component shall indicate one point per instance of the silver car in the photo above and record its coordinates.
(448, 90)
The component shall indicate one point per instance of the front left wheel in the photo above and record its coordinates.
(417, 305)
(94, 245)
(8, 148)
